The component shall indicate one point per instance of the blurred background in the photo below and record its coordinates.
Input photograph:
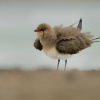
(19, 19)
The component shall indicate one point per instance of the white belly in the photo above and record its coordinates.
(53, 53)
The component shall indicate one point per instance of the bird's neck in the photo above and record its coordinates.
(48, 41)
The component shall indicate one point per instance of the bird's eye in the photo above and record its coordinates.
(43, 29)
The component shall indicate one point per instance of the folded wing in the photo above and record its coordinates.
(70, 45)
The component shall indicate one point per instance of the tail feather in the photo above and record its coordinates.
(88, 35)
(96, 41)
(96, 38)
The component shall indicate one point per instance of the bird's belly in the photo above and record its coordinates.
(53, 53)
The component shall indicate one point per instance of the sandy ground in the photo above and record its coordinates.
(49, 85)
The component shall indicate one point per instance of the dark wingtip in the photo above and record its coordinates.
(81, 19)
(80, 24)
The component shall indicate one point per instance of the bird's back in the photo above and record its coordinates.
(71, 40)
(63, 32)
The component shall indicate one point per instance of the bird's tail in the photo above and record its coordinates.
(96, 39)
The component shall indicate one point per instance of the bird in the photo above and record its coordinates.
(60, 42)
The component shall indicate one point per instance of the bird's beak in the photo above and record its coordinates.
(35, 30)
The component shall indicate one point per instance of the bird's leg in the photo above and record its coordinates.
(65, 64)
(58, 63)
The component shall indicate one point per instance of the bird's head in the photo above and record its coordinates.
(43, 30)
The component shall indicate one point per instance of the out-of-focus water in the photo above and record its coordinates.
(19, 19)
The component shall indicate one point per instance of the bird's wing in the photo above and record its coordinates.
(80, 24)
(66, 33)
(37, 44)
(69, 45)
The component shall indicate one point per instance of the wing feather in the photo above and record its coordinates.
(70, 46)
(38, 45)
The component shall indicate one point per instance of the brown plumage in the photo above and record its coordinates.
(73, 44)
(37, 44)
(60, 42)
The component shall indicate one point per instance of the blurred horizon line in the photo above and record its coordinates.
(46, 1)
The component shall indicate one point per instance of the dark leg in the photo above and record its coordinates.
(65, 64)
(58, 63)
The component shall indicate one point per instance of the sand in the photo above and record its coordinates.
(48, 84)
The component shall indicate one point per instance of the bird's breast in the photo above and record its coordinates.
(53, 53)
